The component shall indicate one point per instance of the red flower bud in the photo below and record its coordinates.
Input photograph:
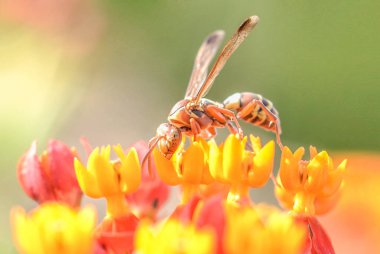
(50, 177)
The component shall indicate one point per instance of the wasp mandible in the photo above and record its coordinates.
(198, 116)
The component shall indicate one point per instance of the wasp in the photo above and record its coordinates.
(197, 116)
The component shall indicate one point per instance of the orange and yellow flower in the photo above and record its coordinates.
(263, 229)
(173, 237)
(110, 179)
(308, 187)
(54, 228)
(207, 220)
(232, 163)
(189, 167)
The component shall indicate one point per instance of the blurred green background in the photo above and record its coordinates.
(112, 70)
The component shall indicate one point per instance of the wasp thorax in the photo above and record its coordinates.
(170, 138)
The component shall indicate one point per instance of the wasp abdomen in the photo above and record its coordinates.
(253, 108)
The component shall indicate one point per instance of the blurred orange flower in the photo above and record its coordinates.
(354, 225)
(308, 187)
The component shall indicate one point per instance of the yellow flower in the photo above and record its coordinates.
(173, 238)
(110, 179)
(233, 164)
(263, 230)
(54, 228)
(308, 187)
(187, 167)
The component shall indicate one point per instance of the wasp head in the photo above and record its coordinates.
(170, 138)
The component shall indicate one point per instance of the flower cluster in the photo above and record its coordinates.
(215, 213)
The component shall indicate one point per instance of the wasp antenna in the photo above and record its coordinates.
(152, 143)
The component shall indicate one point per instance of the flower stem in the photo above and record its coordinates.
(117, 206)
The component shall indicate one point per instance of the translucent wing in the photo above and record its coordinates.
(205, 54)
(227, 51)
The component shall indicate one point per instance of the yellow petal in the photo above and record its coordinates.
(256, 143)
(119, 151)
(54, 228)
(232, 159)
(130, 172)
(104, 173)
(289, 172)
(334, 180)
(206, 176)
(25, 234)
(86, 180)
(317, 172)
(165, 169)
(215, 161)
(285, 197)
(313, 152)
(143, 237)
(193, 164)
(324, 204)
(304, 203)
(262, 166)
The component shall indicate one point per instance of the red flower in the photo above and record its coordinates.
(50, 177)
(205, 214)
(116, 235)
(317, 242)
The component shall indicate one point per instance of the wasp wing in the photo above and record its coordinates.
(227, 51)
(204, 56)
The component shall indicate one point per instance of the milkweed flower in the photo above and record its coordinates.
(263, 229)
(173, 237)
(112, 179)
(51, 176)
(206, 220)
(308, 187)
(152, 193)
(232, 163)
(187, 167)
(54, 228)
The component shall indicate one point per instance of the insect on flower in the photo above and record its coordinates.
(198, 116)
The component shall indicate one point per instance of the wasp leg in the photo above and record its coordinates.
(195, 128)
(232, 128)
(272, 117)
(208, 133)
(215, 113)
(212, 132)
(222, 113)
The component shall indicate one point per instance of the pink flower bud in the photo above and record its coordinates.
(50, 177)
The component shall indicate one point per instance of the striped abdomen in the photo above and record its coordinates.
(255, 109)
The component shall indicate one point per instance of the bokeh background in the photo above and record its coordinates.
(111, 71)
